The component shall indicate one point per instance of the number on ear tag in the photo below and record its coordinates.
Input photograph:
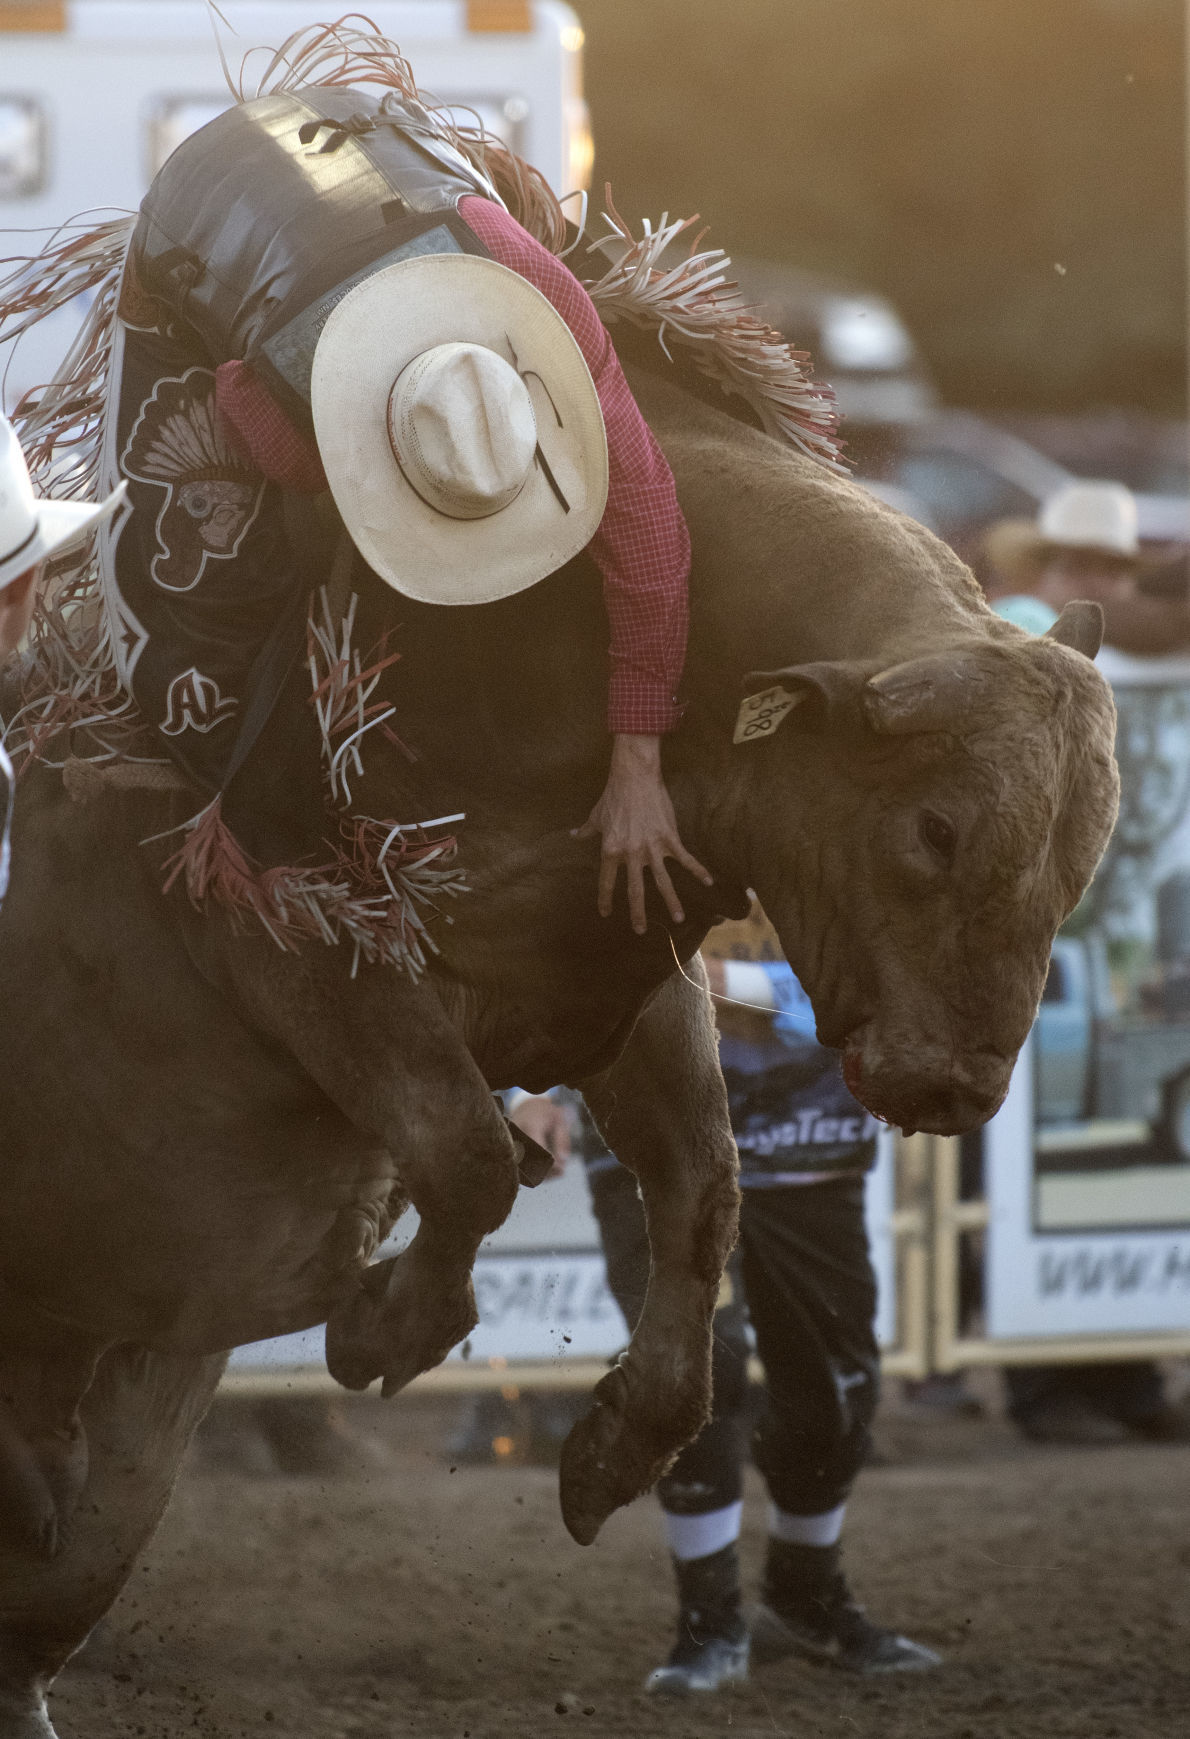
(760, 714)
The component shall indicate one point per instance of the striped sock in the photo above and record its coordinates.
(698, 1536)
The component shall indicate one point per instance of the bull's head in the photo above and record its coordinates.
(943, 817)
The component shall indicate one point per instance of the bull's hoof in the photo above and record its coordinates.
(404, 1320)
(354, 1352)
(608, 1459)
(429, 1339)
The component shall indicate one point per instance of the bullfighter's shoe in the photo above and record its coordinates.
(808, 1609)
(712, 1647)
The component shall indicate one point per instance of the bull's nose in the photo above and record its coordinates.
(950, 1102)
(978, 1098)
(948, 1110)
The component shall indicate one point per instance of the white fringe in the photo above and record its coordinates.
(329, 908)
(60, 423)
(341, 695)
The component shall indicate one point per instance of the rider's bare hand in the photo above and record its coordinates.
(636, 818)
(548, 1124)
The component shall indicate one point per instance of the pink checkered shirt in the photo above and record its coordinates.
(642, 547)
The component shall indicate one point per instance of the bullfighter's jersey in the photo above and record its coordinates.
(793, 1118)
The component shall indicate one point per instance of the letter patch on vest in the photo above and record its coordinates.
(193, 703)
(760, 714)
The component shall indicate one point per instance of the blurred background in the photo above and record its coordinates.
(977, 206)
(1011, 176)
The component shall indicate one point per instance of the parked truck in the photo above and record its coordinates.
(1112, 1043)
(1130, 1070)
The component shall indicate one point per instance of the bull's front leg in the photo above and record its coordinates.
(662, 1109)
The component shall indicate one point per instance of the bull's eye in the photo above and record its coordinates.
(939, 834)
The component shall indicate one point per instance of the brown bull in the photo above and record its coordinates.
(204, 1138)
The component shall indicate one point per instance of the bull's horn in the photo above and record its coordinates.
(940, 692)
(1079, 626)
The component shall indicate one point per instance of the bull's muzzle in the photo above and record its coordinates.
(939, 1096)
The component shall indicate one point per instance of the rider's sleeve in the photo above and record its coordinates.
(642, 547)
(263, 433)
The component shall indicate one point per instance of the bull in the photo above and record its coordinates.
(205, 1137)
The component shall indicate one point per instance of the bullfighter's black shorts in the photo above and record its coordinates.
(803, 1276)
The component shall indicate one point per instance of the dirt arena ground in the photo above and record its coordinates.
(411, 1600)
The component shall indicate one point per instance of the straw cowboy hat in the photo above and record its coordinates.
(459, 429)
(1095, 516)
(32, 528)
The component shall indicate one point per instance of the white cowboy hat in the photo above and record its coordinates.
(32, 528)
(1095, 516)
(459, 429)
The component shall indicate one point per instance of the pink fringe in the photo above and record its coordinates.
(373, 892)
(697, 306)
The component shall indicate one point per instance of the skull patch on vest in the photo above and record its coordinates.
(211, 494)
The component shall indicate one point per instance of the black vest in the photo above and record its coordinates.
(260, 223)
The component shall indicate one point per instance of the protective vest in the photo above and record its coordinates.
(260, 223)
(255, 229)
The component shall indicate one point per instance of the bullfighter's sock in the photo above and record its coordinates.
(821, 1530)
(698, 1536)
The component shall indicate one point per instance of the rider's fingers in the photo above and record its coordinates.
(665, 887)
(636, 894)
(692, 864)
(609, 869)
(586, 830)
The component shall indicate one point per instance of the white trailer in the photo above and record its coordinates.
(95, 94)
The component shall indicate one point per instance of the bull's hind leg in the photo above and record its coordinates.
(138, 1416)
(662, 1109)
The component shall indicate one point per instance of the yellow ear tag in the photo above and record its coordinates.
(760, 714)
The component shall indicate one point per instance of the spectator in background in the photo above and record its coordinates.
(1085, 544)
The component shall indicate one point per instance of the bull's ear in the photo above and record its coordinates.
(827, 692)
(941, 692)
(1080, 626)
